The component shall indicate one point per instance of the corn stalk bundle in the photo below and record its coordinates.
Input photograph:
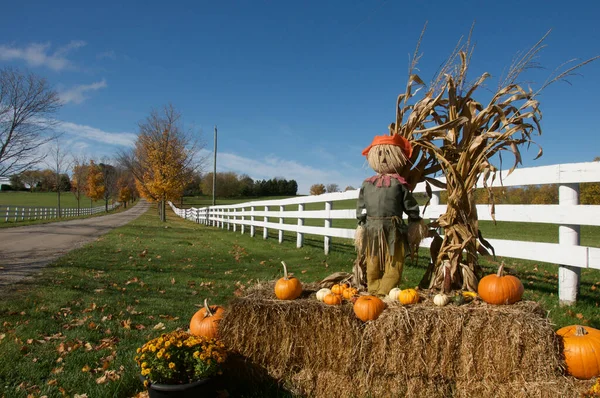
(453, 133)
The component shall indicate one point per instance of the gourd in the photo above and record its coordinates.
(332, 299)
(441, 300)
(393, 294)
(339, 288)
(205, 321)
(322, 293)
(408, 296)
(349, 293)
(287, 288)
(497, 289)
(368, 308)
(581, 350)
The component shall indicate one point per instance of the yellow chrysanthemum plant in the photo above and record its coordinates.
(179, 357)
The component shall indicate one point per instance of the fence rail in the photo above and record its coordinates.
(568, 214)
(28, 213)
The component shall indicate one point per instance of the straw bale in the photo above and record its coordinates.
(419, 350)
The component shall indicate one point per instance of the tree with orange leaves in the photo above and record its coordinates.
(164, 158)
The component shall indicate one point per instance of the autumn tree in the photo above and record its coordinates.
(94, 182)
(317, 189)
(27, 107)
(59, 163)
(31, 178)
(332, 188)
(164, 157)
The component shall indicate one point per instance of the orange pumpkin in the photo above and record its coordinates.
(332, 299)
(408, 296)
(497, 289)
(339, 289)
(581, 350)
(287, 288)
(349, 293)
(205, 322)
(368, 308)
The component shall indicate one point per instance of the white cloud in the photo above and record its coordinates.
(76, 94)
(39, 54)
(273, 166)
(110, 54)
(94, 134)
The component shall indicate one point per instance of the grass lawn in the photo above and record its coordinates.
(44, 199)
(89, 311)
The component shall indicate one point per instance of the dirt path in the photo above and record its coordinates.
(26, 250)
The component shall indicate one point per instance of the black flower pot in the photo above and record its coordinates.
(200, 388)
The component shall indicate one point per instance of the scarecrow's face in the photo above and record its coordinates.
(386, 159)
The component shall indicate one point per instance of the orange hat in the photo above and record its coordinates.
(395, 139)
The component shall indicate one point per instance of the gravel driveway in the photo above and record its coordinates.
(26, 250)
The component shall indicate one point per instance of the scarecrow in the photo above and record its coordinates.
(382, 236)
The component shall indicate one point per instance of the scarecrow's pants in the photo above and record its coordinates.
(380, 280)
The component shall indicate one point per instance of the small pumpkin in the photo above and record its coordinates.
(332, 299)
(339, 288)
(441, 300)
(393, 294)
(497, 289)
(408, 296)
(287, 288)
(349, 293)
(205, 321)
(581, 350)
(322, 293)
(368, 308)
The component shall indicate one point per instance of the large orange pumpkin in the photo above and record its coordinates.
(581, 350)
(497, 289)
(205, 322)
(368, 308)
(287, 288)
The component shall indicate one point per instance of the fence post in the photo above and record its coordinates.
(568, 277)
(7, 210)
(300, 235)
(234, 220)
(242, 227)
(16, 214)
(228, 219)
(327, 239)
(266, 219)
(281, 208)
(222, 218)
(252, 228)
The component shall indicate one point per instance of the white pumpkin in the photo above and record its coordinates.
(441, 300)
(393, 294)
(322, 293)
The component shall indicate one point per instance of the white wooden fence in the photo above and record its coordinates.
(26, 213)
(568, 214)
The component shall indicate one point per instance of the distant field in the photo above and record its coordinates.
(529, 232)
(44, 199)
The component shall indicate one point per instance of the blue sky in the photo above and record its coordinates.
(297, 89)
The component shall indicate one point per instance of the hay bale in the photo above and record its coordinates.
(419, 350)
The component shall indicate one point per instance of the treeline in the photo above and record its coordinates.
(232, 185)
(589, 194)
(39, 181)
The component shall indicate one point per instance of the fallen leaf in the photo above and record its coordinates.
(172, 281)
(57, 370)
(579, 316)
(159, 326)
(85, 369)
(80, 396)
(52, 382)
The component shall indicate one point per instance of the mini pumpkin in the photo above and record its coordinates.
(349, 293)
(497, 289)
(332, 299)
(205, 321)
(408, 296)
(393, 294)
(339, 288)
(322, 293)
(287, 288)
(441, 300)
(581, 350)
(368, 308)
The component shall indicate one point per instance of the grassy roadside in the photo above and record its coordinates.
(45, 199)
(80, 321)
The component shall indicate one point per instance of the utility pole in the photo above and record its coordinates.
(215, 169)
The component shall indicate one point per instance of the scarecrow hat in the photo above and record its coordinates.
(395, 139)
